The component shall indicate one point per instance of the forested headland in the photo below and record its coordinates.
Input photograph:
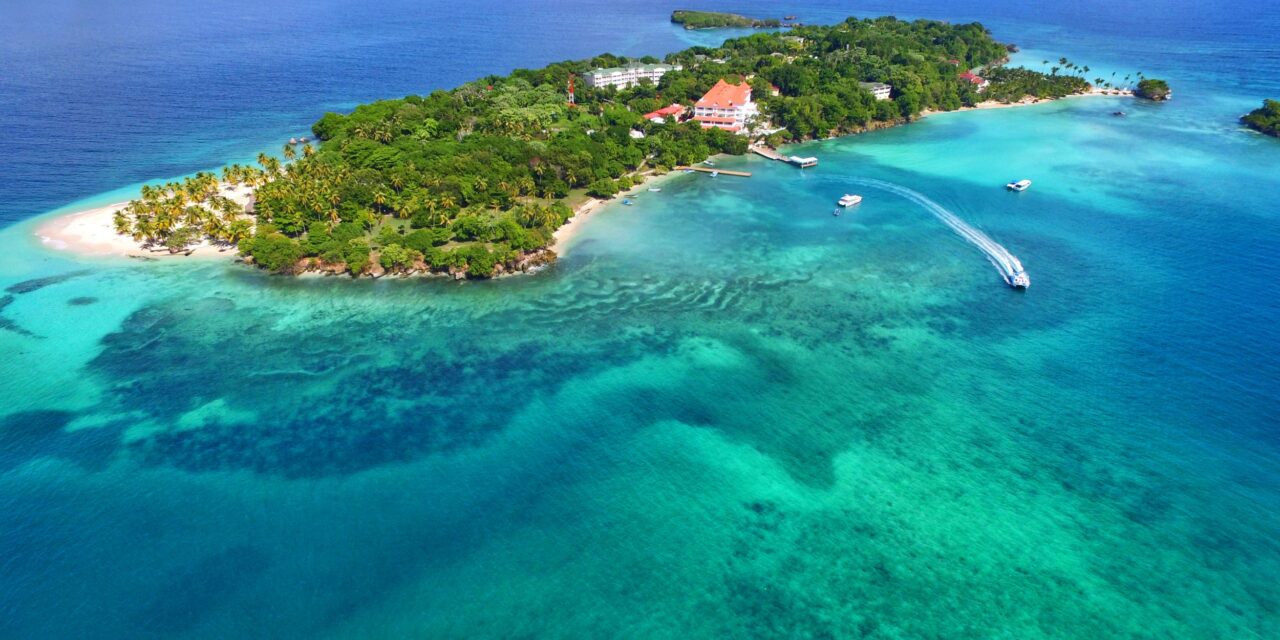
(717, 20)
(473, 181)
(1265, 119)
(1153, 89)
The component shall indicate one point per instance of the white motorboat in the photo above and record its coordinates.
(849, 199)
(1021, 185)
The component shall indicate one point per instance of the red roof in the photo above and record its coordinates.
(954, 61)
(971, 78)
(673, 110)
(725, 95)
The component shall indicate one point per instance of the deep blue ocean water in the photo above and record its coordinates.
(724, 413)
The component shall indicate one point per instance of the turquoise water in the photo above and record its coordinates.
(725, 413)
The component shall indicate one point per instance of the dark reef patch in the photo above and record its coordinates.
(329, 398)
(28, 435)
(81, 301)
(27, 286)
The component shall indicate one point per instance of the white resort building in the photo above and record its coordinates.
(878, 89)
(727, 106)
(632, 74)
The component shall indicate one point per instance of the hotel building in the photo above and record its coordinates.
(632, 74)
(727, 106)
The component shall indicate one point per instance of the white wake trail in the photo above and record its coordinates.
(1006, 263)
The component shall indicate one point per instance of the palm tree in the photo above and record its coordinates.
(1053, 71)
(289, 152)
(238, 231)
(122, 222)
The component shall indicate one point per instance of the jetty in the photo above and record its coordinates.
(723, 172)
(772, 154)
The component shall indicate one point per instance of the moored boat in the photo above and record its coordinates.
(849, 200)
(1021, 185)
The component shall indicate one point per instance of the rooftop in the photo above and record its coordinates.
(633, 67)
(673, 110)
(726, 95)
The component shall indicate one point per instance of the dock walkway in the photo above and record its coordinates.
(772, 154)
(723, 172)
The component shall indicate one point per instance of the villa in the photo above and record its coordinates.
(632, 74)
(660, 116)
(726, 106)
(980, 83)
(878, 89)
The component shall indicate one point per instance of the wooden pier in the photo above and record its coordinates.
(768, 153)
(723, 172)
(803, 163)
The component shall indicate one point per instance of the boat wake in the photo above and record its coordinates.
(1006, 263)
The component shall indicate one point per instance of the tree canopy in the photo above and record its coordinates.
(1153, 89)
(1265, 119)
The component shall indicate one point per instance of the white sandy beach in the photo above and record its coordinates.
(92, 233)
(584, 211)
(1028, 101)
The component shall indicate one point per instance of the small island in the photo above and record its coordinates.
(489, 178)
(1265, 119)
(717, 20)
(1153, 89)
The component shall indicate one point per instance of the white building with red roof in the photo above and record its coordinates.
(727, 106)
(661, 115)
(978, 82)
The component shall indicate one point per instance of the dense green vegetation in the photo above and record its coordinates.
(715, 20)
(1152, 89)
(1265, 119)
(474, 180)
(1009, 84)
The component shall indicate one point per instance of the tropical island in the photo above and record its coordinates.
(1264, 119)
(717, 20)
(1153, 89)
(478, 180)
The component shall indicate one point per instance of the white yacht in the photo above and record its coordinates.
(849, 200)
(1021, 185)
(1020, 280)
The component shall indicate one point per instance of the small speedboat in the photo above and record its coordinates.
(836, 212)
(715, 174)
(688, 171)
(849, 200)
(627, 202)
(709, 163)
(654, 189)
(1021, 185)
(1118, 113)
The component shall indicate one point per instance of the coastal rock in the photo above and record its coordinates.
(1153, 89)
